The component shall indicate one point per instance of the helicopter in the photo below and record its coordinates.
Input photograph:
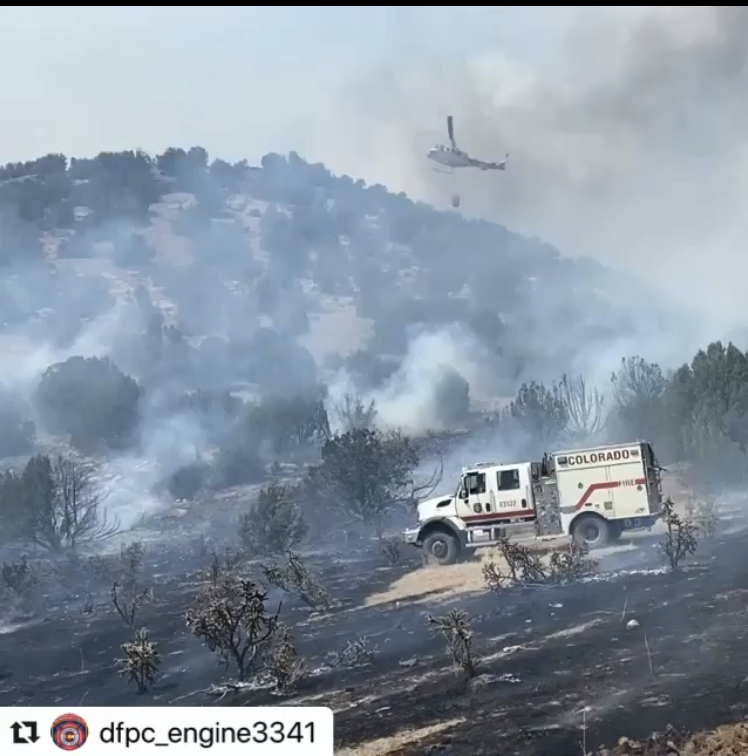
(453, 157)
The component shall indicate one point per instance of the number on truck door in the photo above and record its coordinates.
(507, 484)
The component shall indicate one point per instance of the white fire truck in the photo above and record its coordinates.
(593, 495)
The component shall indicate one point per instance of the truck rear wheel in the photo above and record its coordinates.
(440, 547)
(590, 530)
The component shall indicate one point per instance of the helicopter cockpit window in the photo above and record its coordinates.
(475, 483)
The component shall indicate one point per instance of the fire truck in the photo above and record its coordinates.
(592, 495)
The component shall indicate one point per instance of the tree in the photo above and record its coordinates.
(584, 408)
(350, 413)
(637, 391)
(293, 423)
(705, 414)
(60, 504)
(368, 473)
(188, 480)
(91, 400)
(452, 399)
(231, 618)
(18, 431)
(12, 507)
(274, 524)
(540, 412)
(238, 465)
(286, 423)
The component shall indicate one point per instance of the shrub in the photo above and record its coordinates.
(141, 660)
(455, 627)
(680, 540)
(231, 619)
(274, 524)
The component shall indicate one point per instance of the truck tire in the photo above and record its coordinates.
(440, 547)
(591, 530)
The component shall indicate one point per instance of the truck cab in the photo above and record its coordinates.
(490, 501)
(591, 494)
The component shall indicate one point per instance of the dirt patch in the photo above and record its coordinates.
(423, 585)
(395, 744)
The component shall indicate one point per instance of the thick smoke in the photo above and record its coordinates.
(627, 143)
(410, 398)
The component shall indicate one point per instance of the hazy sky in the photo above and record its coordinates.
(240, 80)
(627, 127)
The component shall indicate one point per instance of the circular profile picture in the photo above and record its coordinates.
(69, 732)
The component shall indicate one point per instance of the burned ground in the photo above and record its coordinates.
(560, 668)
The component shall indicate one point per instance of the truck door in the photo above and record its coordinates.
(474, 501)
(513, 494)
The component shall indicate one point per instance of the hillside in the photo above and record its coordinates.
(350, 272)
(227, 384)
(199, 285)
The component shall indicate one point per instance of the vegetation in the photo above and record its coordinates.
(54, 503)
(141, 660)
(173, 304)
(274, 524)
(127, 593)
(680, 540)
(231, 619)
(408, 267)
(456, 628)
(295, 578)
(526, 566)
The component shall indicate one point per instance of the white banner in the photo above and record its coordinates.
(99, 730)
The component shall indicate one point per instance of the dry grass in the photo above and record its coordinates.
(395, 743)
(421, 585)
(728, 740)
(424, 584)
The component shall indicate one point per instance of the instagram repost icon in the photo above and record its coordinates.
(69, 732)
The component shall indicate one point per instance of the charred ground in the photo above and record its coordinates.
(558, 665)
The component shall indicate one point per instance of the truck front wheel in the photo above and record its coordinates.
(440, 547)
(590, 530)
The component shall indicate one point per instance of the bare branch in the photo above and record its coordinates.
(64, 504)
(427, 487)
(584, 408)
(352, 413)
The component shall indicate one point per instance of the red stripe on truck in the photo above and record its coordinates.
(602, 487)
(498, 516)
